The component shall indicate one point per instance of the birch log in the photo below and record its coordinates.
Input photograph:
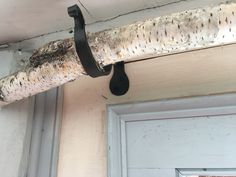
(57, 62)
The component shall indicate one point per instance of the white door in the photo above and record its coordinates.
(160, 139)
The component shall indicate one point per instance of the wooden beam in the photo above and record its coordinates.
(57, 62)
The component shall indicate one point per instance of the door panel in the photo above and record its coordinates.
(157, 139)
(201, 142)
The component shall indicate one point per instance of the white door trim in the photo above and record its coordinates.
(45, 134)
(206, 172)
(118, 115)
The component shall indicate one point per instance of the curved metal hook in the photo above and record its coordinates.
(82, 47)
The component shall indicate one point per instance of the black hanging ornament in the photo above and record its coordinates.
(119, 84)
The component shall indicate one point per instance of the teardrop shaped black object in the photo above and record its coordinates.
(119, 84)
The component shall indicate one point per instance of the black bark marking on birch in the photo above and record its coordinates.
(52, 52)
(1, 95)
(12, 80)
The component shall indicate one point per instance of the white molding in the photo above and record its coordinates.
(57, 132)
(45, 136)
(27, 140)
(207, 172)
(35, 140)
(200, 102)
(123, 149)
(114, 145)
(118, 115)
(180, 114)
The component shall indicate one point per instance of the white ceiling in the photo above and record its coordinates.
(21, 19)
(24, 19)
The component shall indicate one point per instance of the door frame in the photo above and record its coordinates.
(40, 158)
(118, 115)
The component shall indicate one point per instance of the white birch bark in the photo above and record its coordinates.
(57, 62)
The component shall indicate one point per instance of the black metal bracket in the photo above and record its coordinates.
(82, 47)
(119, 83)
